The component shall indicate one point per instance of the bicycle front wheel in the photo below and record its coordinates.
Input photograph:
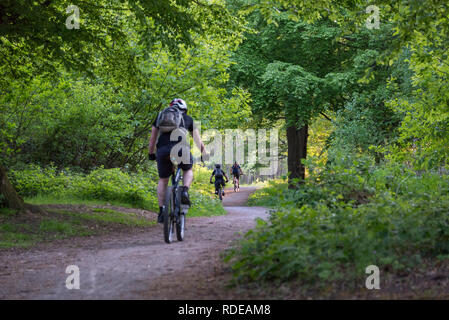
(169, 221)
(180, 226)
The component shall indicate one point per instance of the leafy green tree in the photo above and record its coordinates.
(422, 28)
(36, 41)
(284, 67)
(296, 71)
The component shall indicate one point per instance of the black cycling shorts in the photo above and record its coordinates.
(164, 165)
(219, 182)
(237, 175)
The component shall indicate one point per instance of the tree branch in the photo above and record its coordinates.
(324, 115)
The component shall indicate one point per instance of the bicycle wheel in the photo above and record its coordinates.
(220, 194)
(169, 216)
(181, 221)
(180, 226)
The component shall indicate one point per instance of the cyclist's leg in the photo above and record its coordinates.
(165, 169)
(187, 180)
(217, 185)
(187, 177)
(223, 183)
(161, 189)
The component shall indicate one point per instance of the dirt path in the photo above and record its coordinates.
(136, 266)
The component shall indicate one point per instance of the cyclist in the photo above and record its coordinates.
(236, 172)
(165, 144)
(218, 174)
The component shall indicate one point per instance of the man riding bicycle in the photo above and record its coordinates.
(171, 125)
(236, 172)
(219, 181)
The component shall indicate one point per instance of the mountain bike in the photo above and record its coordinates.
(219, 192)
(174, 217)
(236, 184)
(173, 210)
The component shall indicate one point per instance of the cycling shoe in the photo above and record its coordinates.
(185, 199)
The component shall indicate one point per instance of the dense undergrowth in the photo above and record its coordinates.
(115, 186)
(345, 217)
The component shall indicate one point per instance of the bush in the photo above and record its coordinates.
(322, 232)
(201, 194)
(271, 195)
(137, 189)
(116, 185)
(33, 180)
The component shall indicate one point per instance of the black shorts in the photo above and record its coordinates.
(164, 165)
(237, 175)
(219, 182)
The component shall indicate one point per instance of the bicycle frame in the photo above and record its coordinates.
(175, 180)
(176, 177)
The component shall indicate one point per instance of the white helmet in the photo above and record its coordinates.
(179, 103)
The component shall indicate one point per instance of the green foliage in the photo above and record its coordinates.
(424, 131)
(288, 66)
(418, 28)
(138, 55)
(201, 191)
(270, 195)
(137, 189)
(112, 216)
(33, 180)
(365, 122)
(35, 34)
(134, 189)
(11, 236)
(52, 225)
(345, 217)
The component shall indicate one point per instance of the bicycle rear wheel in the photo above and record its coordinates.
(180, 217)
(220, 193)
(169, 221)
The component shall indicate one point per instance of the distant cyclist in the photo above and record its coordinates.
(236, 172)
(169, 129)
(219, 174)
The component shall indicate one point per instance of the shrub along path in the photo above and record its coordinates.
(133, 265)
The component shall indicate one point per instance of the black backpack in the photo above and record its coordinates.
(170, 119)
(218, 174)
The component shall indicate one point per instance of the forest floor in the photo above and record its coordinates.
(131, 262)
(135, 263)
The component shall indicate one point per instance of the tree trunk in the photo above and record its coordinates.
(11, 197)
(297, 150)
